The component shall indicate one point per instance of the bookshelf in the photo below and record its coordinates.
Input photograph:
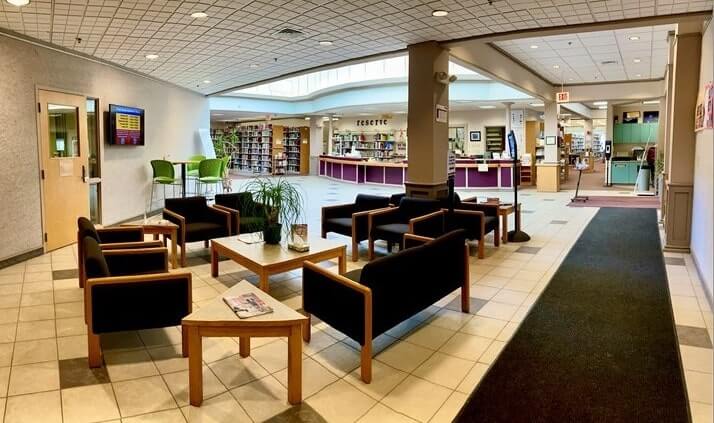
(495, 138)
(377, 145)
(296, 141)
(258, 147)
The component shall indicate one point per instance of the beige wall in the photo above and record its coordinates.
(702, 243)
(173, 116)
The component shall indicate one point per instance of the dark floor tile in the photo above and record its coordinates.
(695, 337)
(528, 250)
(558, 222)
(674, 261)
(65, 274)
(76, 372)
(301, 413)
(474, 307)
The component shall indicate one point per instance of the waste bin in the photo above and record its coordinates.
(643, 179)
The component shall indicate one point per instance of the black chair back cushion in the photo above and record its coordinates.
(395, 199)
(241, 201)
(86, 228)
(405, 283)
(94, 263)
(410, 207)
(365, 202)
(191, 208)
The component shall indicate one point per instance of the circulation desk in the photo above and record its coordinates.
(496, 174)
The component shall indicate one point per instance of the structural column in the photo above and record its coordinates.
(610, 123)
(680, 172)
(665, 112)
(427, 132)
(316, 146)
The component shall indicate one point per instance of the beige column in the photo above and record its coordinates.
(316, 145)
(610, 124)
(330, 133)
(665, 124)
(428, 145)
(680, 172)
(551, 129)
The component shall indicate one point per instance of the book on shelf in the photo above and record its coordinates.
(247, 305)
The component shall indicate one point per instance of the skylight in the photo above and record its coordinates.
(382, 70)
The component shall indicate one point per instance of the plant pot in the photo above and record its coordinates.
(272, 232)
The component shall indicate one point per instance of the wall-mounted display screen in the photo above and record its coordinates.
(126, 125)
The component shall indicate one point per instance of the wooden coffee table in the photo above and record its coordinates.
(160, 227)
(265, 260)
(215, 319)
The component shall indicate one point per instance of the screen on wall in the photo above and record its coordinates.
(126, 125)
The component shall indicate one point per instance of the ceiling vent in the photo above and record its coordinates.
(289, 33)
(609, 62)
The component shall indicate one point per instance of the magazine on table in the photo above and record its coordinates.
(247, 305)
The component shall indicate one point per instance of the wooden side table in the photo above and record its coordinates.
(164, 228)
(216, 319)
(504, 210)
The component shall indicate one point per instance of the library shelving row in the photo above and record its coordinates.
(378, 145)
(296, 141)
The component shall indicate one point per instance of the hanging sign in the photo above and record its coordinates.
(442, 114)
(372, 122)
(562, 97)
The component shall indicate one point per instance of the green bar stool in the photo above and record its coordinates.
(209, 173)
(162, 174)
(192, 168)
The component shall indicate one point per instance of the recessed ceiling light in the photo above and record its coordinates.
(637, 60)
(639, 75)
(307, 117)
(600, 103)
(199, 15)
(206, 81)
(570, 79)
(335, 118)
(537, 104)
(19, 3)
(602, 107)
(439, 13)
(487, 107)
(633, 37)
(400, 113)
(152, 56)
(650, 102)
(325, 43)
(254, 65)
(556, 66)
(534, 46)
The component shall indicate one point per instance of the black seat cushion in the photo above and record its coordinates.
(94, 263)
(393, 232)
(241, 201)
(340, 225)
(251, 224)
(199, 231)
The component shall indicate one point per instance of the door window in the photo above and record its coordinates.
(63, 130)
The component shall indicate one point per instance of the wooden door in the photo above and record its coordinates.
(62, 125)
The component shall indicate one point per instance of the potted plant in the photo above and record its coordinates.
(282, 204)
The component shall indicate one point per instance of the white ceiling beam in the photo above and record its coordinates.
(579, 109)
(616, 91)
(487, 60)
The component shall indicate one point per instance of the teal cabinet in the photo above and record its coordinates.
(635, 133)
(624, 173)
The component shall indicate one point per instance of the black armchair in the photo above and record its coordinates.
(131, 290)
(391, 224)
(365, 303)
(122, 237)
(351, 219)
(197, 221)
(246, 214)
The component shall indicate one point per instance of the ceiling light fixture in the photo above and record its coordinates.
(199, 15)
(650, 102)
(487, 107)
(537, 104)
(307, 117)
(633, 38)
(206, 81)
(556, 66)
(637, 60)
(534, 46)
(600, 103)
(439, 13)
(602, 107)
(152, 56)
(19, 3)
(254, 66)
(639, 75)
(325, 43)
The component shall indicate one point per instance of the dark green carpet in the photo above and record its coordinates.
(600, 344)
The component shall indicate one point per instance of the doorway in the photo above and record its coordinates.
(63, 149)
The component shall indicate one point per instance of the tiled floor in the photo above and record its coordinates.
(424, 368)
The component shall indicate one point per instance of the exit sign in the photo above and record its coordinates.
(563, 97)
